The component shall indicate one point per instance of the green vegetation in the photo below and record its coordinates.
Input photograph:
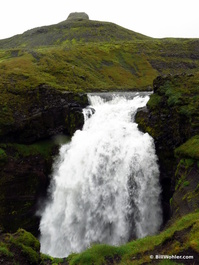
(183, 169)
(172, 118)
(186, 183)
(44, 148)
(154, 101)
(70, 32)
(28, 245)
(21, 242)
(91, 55)
(4, 251)
(189, 148)
(86, 56)
(139, 251)
(21, 151)
(46, 259)
(3, 157)
(79, 68)
(175, 102)
(24, 237)
(23, 178)
(181, 238)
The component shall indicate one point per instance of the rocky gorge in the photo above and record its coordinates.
(172, 119)
(33, 112)
(26, 165)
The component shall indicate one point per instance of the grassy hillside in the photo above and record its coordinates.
(80, 67)
(71, 32)
(97, 66)
(91, 55)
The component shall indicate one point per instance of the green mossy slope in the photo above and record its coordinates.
(79, 68)
(71, 32)
(180, 239)
(95, 66)
(91, 55)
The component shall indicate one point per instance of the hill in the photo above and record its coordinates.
(71, 31)
(85, 55)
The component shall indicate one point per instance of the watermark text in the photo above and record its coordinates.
(171, 257)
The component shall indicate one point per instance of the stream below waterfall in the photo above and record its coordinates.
(105, 184)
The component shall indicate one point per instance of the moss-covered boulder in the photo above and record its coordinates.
(23, 248)
(172, 118)
(19, 248)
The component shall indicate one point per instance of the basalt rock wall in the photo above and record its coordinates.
(28, 147)
(172, 119)
(42, 112)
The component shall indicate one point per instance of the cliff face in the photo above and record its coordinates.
(35, 114)
(172, 118)
(28, 122)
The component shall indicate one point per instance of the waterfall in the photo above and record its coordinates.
(105, 185)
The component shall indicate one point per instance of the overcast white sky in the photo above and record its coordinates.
(155, 18)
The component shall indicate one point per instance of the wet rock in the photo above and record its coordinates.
(172, 118)
(44, 115)
(26, 160)
(23, 183)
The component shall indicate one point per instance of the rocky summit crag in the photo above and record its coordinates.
(45, 74)
(78, 16)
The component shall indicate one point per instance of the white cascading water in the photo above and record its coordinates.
(105, 186)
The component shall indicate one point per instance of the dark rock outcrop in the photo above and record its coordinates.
(78, 16)
(27, 150)
(24, 179)
(171, 117)
(42, 113)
